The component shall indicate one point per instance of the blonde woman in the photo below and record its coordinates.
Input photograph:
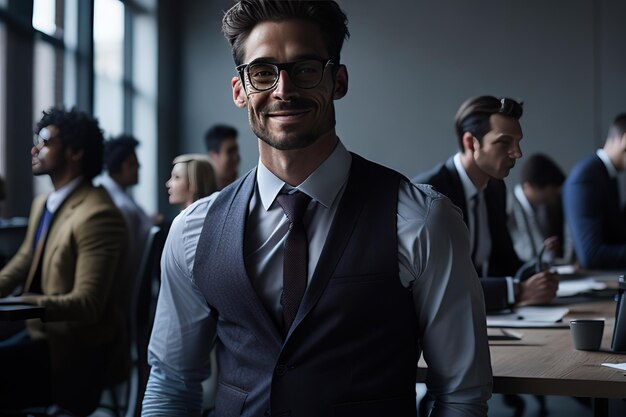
(192, 178)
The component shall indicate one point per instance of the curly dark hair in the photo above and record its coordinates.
(239, 21)
(473, 115)
(79, 132)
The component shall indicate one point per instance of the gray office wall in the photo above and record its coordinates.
(412, 63)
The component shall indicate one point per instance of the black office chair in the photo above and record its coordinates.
(141, 316)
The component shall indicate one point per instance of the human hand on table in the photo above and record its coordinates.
(538, 289)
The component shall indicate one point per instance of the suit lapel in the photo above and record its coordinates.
(58, 225)
(34, 265)
(457, 194)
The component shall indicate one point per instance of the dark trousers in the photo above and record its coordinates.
(24, 373)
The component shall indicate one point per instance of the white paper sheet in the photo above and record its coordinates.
(577, 286)
(530, 317)
(620, 366)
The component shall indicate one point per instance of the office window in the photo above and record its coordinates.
(143, 93)
(108, 37)
(3, 152)
(125, 67)
(44, 17)
(54, 62)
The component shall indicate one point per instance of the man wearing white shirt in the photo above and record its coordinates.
(535, 212)
(122, 165)
(488, 136)
(73, 263)
(384, 276)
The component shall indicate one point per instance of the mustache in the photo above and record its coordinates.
(298, 104)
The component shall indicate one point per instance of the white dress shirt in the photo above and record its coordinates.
(57, 197)
(137, 221)
(433, 260)
(484, 236)
(483, 252)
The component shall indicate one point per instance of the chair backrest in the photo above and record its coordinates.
(142, 307)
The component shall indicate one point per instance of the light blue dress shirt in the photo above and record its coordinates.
(433, 259)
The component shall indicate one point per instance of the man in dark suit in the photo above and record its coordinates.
(72, 262)
(489, 134)
(592, 205)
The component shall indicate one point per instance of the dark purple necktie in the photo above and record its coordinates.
(296, 259)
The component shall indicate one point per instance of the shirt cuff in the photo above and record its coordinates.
(510, 290)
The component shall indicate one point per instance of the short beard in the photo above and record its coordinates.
(301, 141)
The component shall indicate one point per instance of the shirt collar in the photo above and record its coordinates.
(56, 198)
(521, 197)
(323, 185)
(468, 186)
(607, 162)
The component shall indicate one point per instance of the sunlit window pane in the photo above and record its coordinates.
(108, 37)
(44, 16)
(44, 81)
(70, 38)
(3, 67)
(109, 64)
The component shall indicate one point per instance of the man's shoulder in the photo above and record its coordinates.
(434, 175)
(586, 169)
(88, 201)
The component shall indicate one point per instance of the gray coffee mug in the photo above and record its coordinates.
(587, 334)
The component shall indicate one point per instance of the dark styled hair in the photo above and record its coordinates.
(217, 134)
(239, 21)
(117, 150)
(541, 171)
(79, 132)
(618, 127)
(473, 115)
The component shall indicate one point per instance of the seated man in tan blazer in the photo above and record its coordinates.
(72, 262)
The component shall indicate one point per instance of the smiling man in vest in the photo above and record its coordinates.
(320, 276)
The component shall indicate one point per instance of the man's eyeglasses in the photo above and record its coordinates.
(42, 137)
(264, 76)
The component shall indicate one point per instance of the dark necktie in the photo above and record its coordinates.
(475, 213)
(33, 279)
(295, 252)
(42, 229)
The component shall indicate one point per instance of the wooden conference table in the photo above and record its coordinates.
(544, 361)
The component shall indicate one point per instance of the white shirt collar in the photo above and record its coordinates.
(56, 198)
(523, 200)
(468, 186)
(607, 162)
(322, 185)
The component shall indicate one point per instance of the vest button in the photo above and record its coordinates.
(281, 369)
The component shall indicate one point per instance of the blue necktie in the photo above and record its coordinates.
(42, 229)
(295, 258)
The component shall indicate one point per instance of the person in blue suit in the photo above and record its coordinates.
(591, 203)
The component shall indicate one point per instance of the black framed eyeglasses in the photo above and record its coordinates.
(263, 76)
